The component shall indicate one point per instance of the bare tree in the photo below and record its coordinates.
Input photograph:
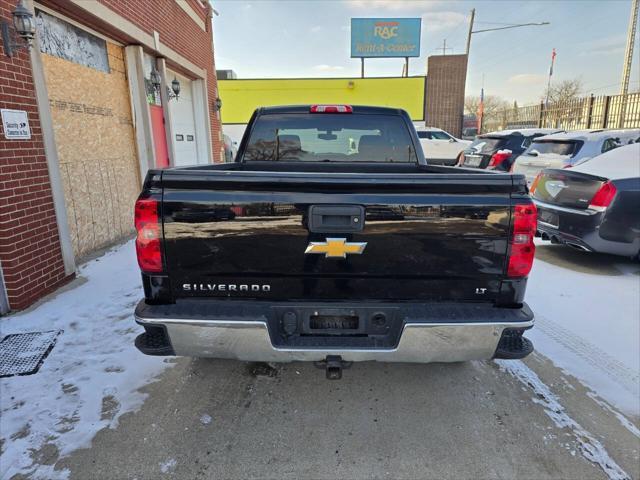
(492, 104)
(495, 108)
(563, 92)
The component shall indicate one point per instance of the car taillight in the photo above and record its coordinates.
(534, 184)
(525, 220)
(148, 240)
(603, 197)
(331, 109)
(499, 157)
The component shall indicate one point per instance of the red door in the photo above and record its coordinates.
(159, 137)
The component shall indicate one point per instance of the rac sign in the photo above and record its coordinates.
(385, 37)
(385, 30)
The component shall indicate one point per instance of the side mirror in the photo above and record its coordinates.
(532, 153)
(452, 140)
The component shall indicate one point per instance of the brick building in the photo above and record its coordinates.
(99, 90)
(444, 99)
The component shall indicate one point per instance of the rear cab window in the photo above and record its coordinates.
(330, 137)
(610, 144)
(558, 147)
(487, 144)
(438, 135)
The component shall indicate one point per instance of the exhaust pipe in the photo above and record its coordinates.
(577, 247)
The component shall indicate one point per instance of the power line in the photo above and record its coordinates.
(496, 23)
(444, 47)
(527, 42)
(608, 86)
(527, 45)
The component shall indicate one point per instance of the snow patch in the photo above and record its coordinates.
(590, 447)
(587, 325)
(91, 377)
(205, 419)
(626, 423)
(168, 466)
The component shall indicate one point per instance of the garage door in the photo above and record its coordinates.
(183, 123)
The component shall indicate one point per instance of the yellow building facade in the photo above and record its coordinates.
(241, 97)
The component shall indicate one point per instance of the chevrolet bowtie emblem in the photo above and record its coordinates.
(336, 248)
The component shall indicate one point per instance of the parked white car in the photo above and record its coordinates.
(440, 147)
(565, 150)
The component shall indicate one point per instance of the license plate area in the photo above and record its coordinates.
(334, 322)
(335, 326)
(548, 218)
(472, 160)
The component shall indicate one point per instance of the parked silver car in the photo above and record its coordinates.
(564, 150)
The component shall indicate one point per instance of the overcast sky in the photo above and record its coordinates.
(305, 38)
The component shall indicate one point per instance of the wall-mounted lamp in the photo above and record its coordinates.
(24, 25)
(175, 86)
(217, 106)
(155, 79)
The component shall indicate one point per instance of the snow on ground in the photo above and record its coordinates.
(588, 324)
(91, 377)
(590, 447)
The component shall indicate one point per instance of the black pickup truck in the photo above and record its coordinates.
(331, 240)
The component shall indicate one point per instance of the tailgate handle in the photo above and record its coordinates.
(336, 218)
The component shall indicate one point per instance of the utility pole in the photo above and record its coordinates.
(553, 61)
(444, 47)
(628, 55)
(473, 16)
(628, 61)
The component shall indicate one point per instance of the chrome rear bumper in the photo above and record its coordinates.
(249, 340)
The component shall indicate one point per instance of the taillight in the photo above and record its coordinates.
(331, 109)
(534, 185)
(148, 240)
(525, 220)
(499, 157)
(603, 197)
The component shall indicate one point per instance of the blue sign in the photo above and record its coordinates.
(385, 37)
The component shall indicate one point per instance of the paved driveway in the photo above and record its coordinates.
(92, 413)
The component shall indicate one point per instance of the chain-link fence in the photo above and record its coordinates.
(607, 111)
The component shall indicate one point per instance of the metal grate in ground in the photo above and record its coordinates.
(23, 353)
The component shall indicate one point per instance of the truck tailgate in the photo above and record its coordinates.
(423, 236)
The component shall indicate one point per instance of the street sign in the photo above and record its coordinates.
(385, 37)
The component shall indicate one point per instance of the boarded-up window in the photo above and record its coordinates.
(63, 40)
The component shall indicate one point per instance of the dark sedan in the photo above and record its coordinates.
(594, 206)
(498, 150)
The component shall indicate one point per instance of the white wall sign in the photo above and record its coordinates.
(15, 124)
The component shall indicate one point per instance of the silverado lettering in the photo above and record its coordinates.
(228, 287)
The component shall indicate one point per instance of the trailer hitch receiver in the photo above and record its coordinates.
(333, 366)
